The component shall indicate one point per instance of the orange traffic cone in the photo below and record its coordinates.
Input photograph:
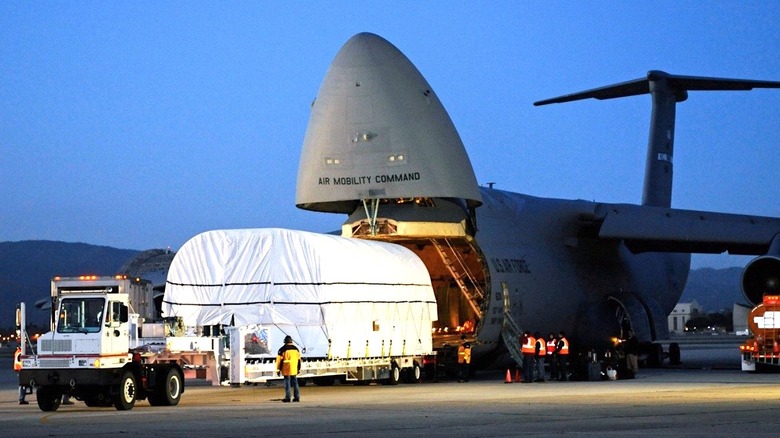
(508, 376)
(518, 379)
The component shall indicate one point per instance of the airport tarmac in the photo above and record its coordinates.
(705, 401)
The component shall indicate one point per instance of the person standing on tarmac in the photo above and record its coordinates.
(632, 352)
(464, 359)
(562, 356)
(288, 363)
(552, 355)
(527, 348)
(18, 368)
(540, 351)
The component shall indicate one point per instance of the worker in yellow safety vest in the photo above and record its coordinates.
(288, 363)
(528, 350)
(464, 359)
(562, 354)
(18, 368)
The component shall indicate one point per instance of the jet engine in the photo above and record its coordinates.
(762, 275)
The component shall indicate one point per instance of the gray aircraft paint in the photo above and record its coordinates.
(568, 265)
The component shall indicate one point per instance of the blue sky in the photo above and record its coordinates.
(141, 124)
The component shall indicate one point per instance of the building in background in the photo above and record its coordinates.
(682, 313)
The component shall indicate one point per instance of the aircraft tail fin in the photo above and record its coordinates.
(666, 90)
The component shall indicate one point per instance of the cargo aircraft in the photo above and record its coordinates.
(381, 149)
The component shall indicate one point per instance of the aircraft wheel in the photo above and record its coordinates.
(674, 354)
(655, 355)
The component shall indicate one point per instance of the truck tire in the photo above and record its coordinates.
(124, 400)
(48, 398)
(168, 394)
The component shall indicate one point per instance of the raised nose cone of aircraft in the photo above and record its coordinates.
(378, 131)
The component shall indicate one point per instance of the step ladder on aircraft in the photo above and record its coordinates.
(510, 330)
(467, 284)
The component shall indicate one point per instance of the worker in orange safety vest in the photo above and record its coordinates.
(18, 368)
(528, 350)
(562, 355)
(552, 356)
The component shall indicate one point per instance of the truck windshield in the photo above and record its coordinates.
(80, 315)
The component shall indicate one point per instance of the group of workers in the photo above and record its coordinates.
(537, 351)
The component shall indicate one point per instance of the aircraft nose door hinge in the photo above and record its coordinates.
(371, 214)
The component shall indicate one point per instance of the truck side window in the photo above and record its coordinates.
(123, 313)
(119, 312)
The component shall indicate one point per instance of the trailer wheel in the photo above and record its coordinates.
(124, 400)
(395, 375)
(168, 394)
(414, 374)
(325, 381)
(48, 399)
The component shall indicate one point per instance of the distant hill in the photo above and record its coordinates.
(714, 289)
(27, 267)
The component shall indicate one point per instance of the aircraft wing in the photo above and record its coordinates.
(660, 229)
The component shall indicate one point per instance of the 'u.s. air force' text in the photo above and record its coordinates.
(510, 266)
(368, 179)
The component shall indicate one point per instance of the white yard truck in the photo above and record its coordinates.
(95, 351)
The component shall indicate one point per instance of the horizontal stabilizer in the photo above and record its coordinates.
(680, 84)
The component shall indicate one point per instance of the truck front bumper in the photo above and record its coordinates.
(69, 377)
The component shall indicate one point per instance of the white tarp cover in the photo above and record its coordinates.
(336, 296)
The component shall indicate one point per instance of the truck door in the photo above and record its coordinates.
(116, 339)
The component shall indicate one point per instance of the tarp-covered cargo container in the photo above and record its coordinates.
(337, 297)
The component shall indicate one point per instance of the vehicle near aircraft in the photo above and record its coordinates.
(762, 350)
(381, 149)
(93, 351)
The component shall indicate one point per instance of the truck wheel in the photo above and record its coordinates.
(170, 393)
(124, 400)
(48, 399)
